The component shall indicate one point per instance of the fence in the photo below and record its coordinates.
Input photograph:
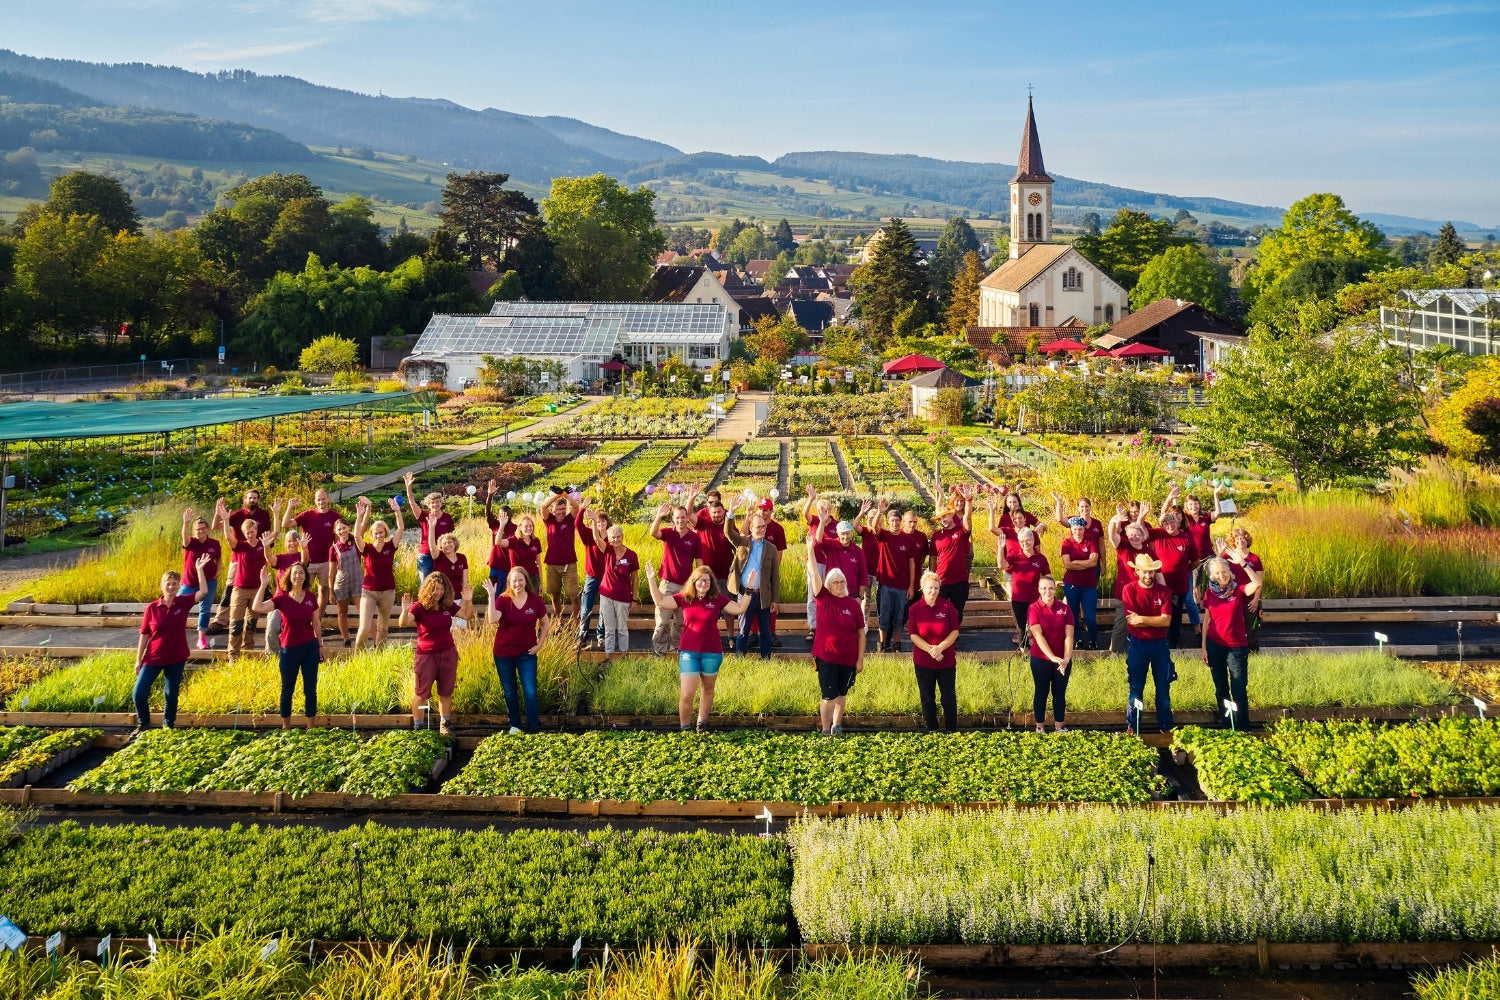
(54, 378)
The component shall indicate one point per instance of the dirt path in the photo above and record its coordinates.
(16, 571)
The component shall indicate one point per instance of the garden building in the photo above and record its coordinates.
(579, 335)
(1178, 327)
(925, 388)
(1465, 319)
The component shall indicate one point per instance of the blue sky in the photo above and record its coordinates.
(1396, 106)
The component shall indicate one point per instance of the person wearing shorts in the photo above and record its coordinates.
(838, 647)
(436, 663)
(700, 651)
(316, 524)
(560, 563)
(522, 625)
(378, 585)
(347, 575)
(300, 649)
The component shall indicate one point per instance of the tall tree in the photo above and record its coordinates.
(83, 193)
(1090, 223)
(1448, 248)
(1182, 273)
(726, 234)
(1317, 226)
(963, 303)
(1322, 408)
(892, 281)
(605, 236)
(777, 340)
(1128, 245)
(783, 238)
(750, 244)
(957, 238)
(484, 214)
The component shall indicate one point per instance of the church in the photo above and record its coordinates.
(1044, 284)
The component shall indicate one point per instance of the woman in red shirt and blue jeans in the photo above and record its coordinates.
(1226, 642)
(301, 636)
(163, 645)
(523, 625)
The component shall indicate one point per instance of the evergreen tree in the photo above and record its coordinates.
(957, 239)
(963, 304)
(1448, 248)
(890, 282)
(782, 237)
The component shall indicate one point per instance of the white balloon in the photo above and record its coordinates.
(775, 493)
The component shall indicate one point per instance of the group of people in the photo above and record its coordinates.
(719, 568)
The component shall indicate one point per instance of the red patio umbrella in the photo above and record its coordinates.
(912, 363)
(1065, 344)
(1138, 350)
(1100, 353)
(613, 366)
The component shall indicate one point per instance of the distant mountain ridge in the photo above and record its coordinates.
(535, 149)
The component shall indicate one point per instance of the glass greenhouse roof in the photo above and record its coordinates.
(572, 328)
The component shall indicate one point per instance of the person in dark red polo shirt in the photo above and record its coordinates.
(896, 572)
(1174, 548)
(843, 552)
(951, 549)
(1092, 527)
(700, 651)
(933, 622)
(1025, 571)
(714, 548)
(235, 523)
(1081, 558)
(248, 556)
(163, 648)
(560, 562)
(1050, 623)
(679, 554)
(300, 647)
(838, 648)
(1198, 521)
(436, 663)
(1128, 538)
(1147, 604)
(316, 524)
(197, 541)
(431, 509)
(1226, 644)
(815, 510)
(587, 523)
(1241, 560)
(522, 624)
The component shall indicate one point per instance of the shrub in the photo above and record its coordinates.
(331, 353)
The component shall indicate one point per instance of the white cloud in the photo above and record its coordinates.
(339, 11)
(216, 55)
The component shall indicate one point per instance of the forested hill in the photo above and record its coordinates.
(47, 116)
(431, 129)
(984, 187)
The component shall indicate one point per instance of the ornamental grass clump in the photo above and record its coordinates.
(1479, 981)
(128, 567)
(1076, 876)
(75, 688)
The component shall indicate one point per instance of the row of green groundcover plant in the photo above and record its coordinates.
(1093, 874)
(1447, 757)
(232, 963)
(380, 681)
(1453, 756)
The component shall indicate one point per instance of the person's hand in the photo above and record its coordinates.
(203, 562)
(883, 504)
(663, 510)
(490, 489)
(405, 603)
(187, 515)
(1131, 618)
(362, 505)
(1062, 665)
(503, 517)
(1057, 496)
(533, 650)
(265, 576)
(396, 507)
(490, 586)
(650, 571)
(864, 508)
(812, 492)
(753, 580)
(293, 503)
(409, 479)
(1204, 652)
(584, 503)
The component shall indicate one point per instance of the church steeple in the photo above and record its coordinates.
(1029, 164)
(1030, 192)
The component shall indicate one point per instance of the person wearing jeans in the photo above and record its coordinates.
(1147, 606)
(755, 576)
(198, 540)
(162, 649)
(1226, 643)
(593, 570)
(522, 624)
(431, 511)
(700, 652)
(1080, 559)
(301, 648)
(896, 571)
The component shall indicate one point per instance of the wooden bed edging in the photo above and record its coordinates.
(700, 809)
(1262, 954)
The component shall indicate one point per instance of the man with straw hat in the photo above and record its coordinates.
(1146, 604)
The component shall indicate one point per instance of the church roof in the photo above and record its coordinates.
(1014, 275)
(1029, 164)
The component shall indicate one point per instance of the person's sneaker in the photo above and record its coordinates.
(837, 731)
(136, 732)
(809, 637)
(1130, 731)
(775, 641)
(514, 730)
(445, 727)
(701, 726)
(1059, 729)
(203, 642)
(1041, 728)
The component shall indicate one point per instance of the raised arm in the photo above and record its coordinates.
(1116, 527)
(361, 522)
(989, 501)
(410, 479)
(1058, 514)
(662, 511)
(489, 501)
(1256, 579)
(1213, 510)
(968, 516)
(262, 604)
(400, 522)
(807, 504)
(664, 601)
(432, 534)
(492, 606)
(287, 517)
(187, 520)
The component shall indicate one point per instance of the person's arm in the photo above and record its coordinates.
(489, 503)
(361, 521)
(543, 629)
(406, 620)
(968, 518)
(989, 501)
(1144, 514)
(1213, 511)
(1114, 529)
(814, 579)
(661, 512)
(400, 522)
(1067, 656)
(187, 519)
(144, 641)
(1256, 579)
(262, 604)
(220, 513)
(859, 660)
(740, 606)
(1058, 514)
(667, 602)
(807, 504)
(411, 497)
(732, 530)
(287, 517)
(492, 606)
(911, 579)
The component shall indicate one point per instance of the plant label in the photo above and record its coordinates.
(577, 948)
(11, 936)
(54, 943)
(1227, 506)
(1231, 707)
(151, 945)
(272, 946)
(606, 955)
(103, 950)
(25, 702)
(1483, 707)
(98, 701)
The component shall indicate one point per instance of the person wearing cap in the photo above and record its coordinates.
(431, 509)
(1147, 607)
(815, 510)
(1128, 537)
(679, 553)
(560, 562)
(838, 647)
(1226, 642)
(951, 549)
(755, 578)
(1080, 559)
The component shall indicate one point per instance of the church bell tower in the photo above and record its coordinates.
(1030, 193)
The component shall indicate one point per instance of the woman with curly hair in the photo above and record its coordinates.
(436, 655)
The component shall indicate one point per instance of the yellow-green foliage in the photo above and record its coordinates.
(1446, 419)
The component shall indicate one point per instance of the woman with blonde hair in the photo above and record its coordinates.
(838, 645)
(436, 661)
(378, 588)
(700, 651)
(522, 627)
(933, 623)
